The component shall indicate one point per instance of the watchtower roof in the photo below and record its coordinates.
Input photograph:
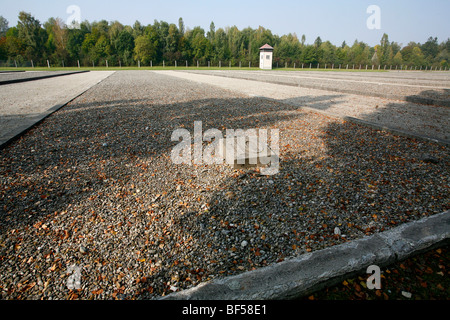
(266, 47)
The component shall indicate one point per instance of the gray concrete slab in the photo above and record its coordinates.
(22, 105)
(310, 272)
(16, 77)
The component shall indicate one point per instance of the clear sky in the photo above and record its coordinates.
(402, 20)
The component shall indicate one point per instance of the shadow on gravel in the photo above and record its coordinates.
(432, 97)
(79, 149)
(338, 175)
(110, 161)
(321, 103)
(431, 119)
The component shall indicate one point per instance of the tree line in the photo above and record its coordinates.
(95, 43)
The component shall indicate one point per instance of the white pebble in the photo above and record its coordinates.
(406, 294)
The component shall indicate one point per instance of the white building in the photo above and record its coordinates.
(265, 57)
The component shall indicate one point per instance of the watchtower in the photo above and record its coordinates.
(265, 57)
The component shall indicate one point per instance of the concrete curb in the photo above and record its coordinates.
(12, 71)
(310, 272)
(41, 77)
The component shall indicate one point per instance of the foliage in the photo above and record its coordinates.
(98, 42)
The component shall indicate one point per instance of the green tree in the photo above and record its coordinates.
(398, 59)
(146, 46)
(309, 55)
(211, 33)
(171, 43)
(124, 46)
(57, 40)
(75, 38)
(33, 36)
(430, 49)
(289, 49)
(102, 49)
(3, 26)
(383, 51)
(318, 42)
(15, 46)
(417, 58)
(88, 47)
(200, 46)
(181, 26)
(327, 51)
(138, 29)
(234, 43)
(220, 44)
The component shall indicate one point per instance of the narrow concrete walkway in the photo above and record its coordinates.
(16, 77)
(24, 104)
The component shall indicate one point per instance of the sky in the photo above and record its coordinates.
(336, 21)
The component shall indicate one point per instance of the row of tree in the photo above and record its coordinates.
(98, 42)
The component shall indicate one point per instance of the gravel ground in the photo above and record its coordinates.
(392, 85)
(93, 187)
(427, 120)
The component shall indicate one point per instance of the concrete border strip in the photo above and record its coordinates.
(313, 271)
(11, 71)
(4, 82)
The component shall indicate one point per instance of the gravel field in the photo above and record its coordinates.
(416, 87)
(93, 186)
(426, 120)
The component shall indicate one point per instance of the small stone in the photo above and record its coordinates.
(244, 244)
(230, 195)
(337, 231)
(406, 294)
(83, 249)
